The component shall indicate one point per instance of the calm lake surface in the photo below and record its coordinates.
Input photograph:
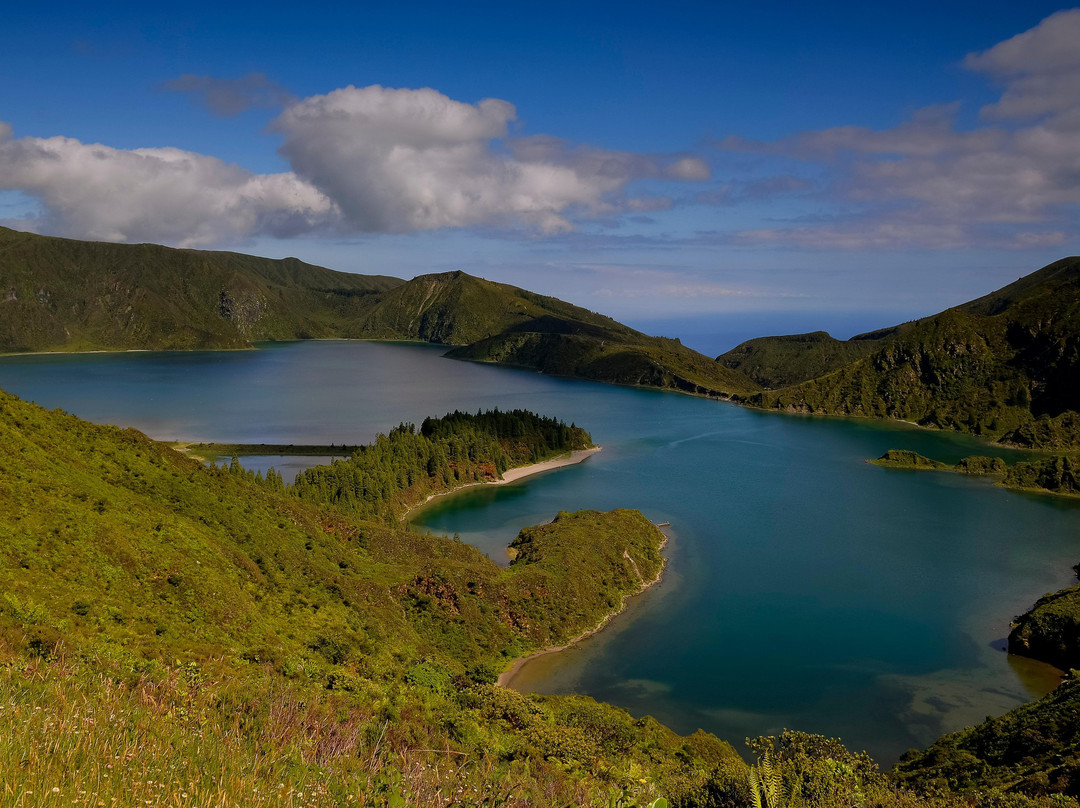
(806, 589)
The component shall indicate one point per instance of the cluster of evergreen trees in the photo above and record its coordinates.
(384, 479)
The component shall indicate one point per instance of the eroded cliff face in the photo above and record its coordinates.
(244, 308)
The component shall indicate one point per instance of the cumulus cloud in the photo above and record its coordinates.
(163, 194)
(934, 185)
(368, 159)
(397, 160)
(228, 97)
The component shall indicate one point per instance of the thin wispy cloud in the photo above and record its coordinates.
(227, 97)
(1013, 181)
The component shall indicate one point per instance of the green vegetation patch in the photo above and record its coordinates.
(777, 362)
(1033, 750)
(1004, 367)
(1050, 631)
(174, 633)
(399, 470)
(1059, 474)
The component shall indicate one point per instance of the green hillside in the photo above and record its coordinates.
(1032, 750)
(494, 322)
(1050, 630)
(455, 308)
(172, 633)
(775, 362)
(230, 631)
(617, 356)
(1004, 367)
(67, 295)
(62, 294)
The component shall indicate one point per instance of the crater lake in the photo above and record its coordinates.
(806, 589)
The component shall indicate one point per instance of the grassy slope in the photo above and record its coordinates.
(1034, 749)
(175, 634)
(234, 630)
(617, 356)
(455, 308)
(1003, 366)
(79, 295)
(776, 362)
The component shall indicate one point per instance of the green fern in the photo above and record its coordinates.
(767, 788)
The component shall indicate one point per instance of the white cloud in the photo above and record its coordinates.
(96, 192)
(398, 160)
(926, 183)
(368, 159)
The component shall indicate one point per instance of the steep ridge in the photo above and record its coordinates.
(63, 294)
(1003, 366)
(495, 322)
(455, 308)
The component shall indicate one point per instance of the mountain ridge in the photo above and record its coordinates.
(1003, 366)
(62, 294)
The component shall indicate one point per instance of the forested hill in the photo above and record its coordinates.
(494, 322)
(63, 294)
(455, 308)
(1004, 366)
(66, 295)
(399, 470)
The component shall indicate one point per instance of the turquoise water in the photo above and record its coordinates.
(806, 589)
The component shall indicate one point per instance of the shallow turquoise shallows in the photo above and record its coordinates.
(806, 589)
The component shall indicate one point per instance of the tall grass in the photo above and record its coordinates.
(74, 736)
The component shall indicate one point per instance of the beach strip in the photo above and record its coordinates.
(514, 474)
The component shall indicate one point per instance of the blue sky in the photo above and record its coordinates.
(709, 170)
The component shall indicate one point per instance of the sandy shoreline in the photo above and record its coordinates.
(506, 678)
(511, 475)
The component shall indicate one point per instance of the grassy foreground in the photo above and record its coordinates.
(173, 634)
(170, 629)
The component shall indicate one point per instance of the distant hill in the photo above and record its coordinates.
(1004, 366)
(62, 294)
(66, 295)
(619, 356)
(775, 362)
(455, 308)
(495, 322)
